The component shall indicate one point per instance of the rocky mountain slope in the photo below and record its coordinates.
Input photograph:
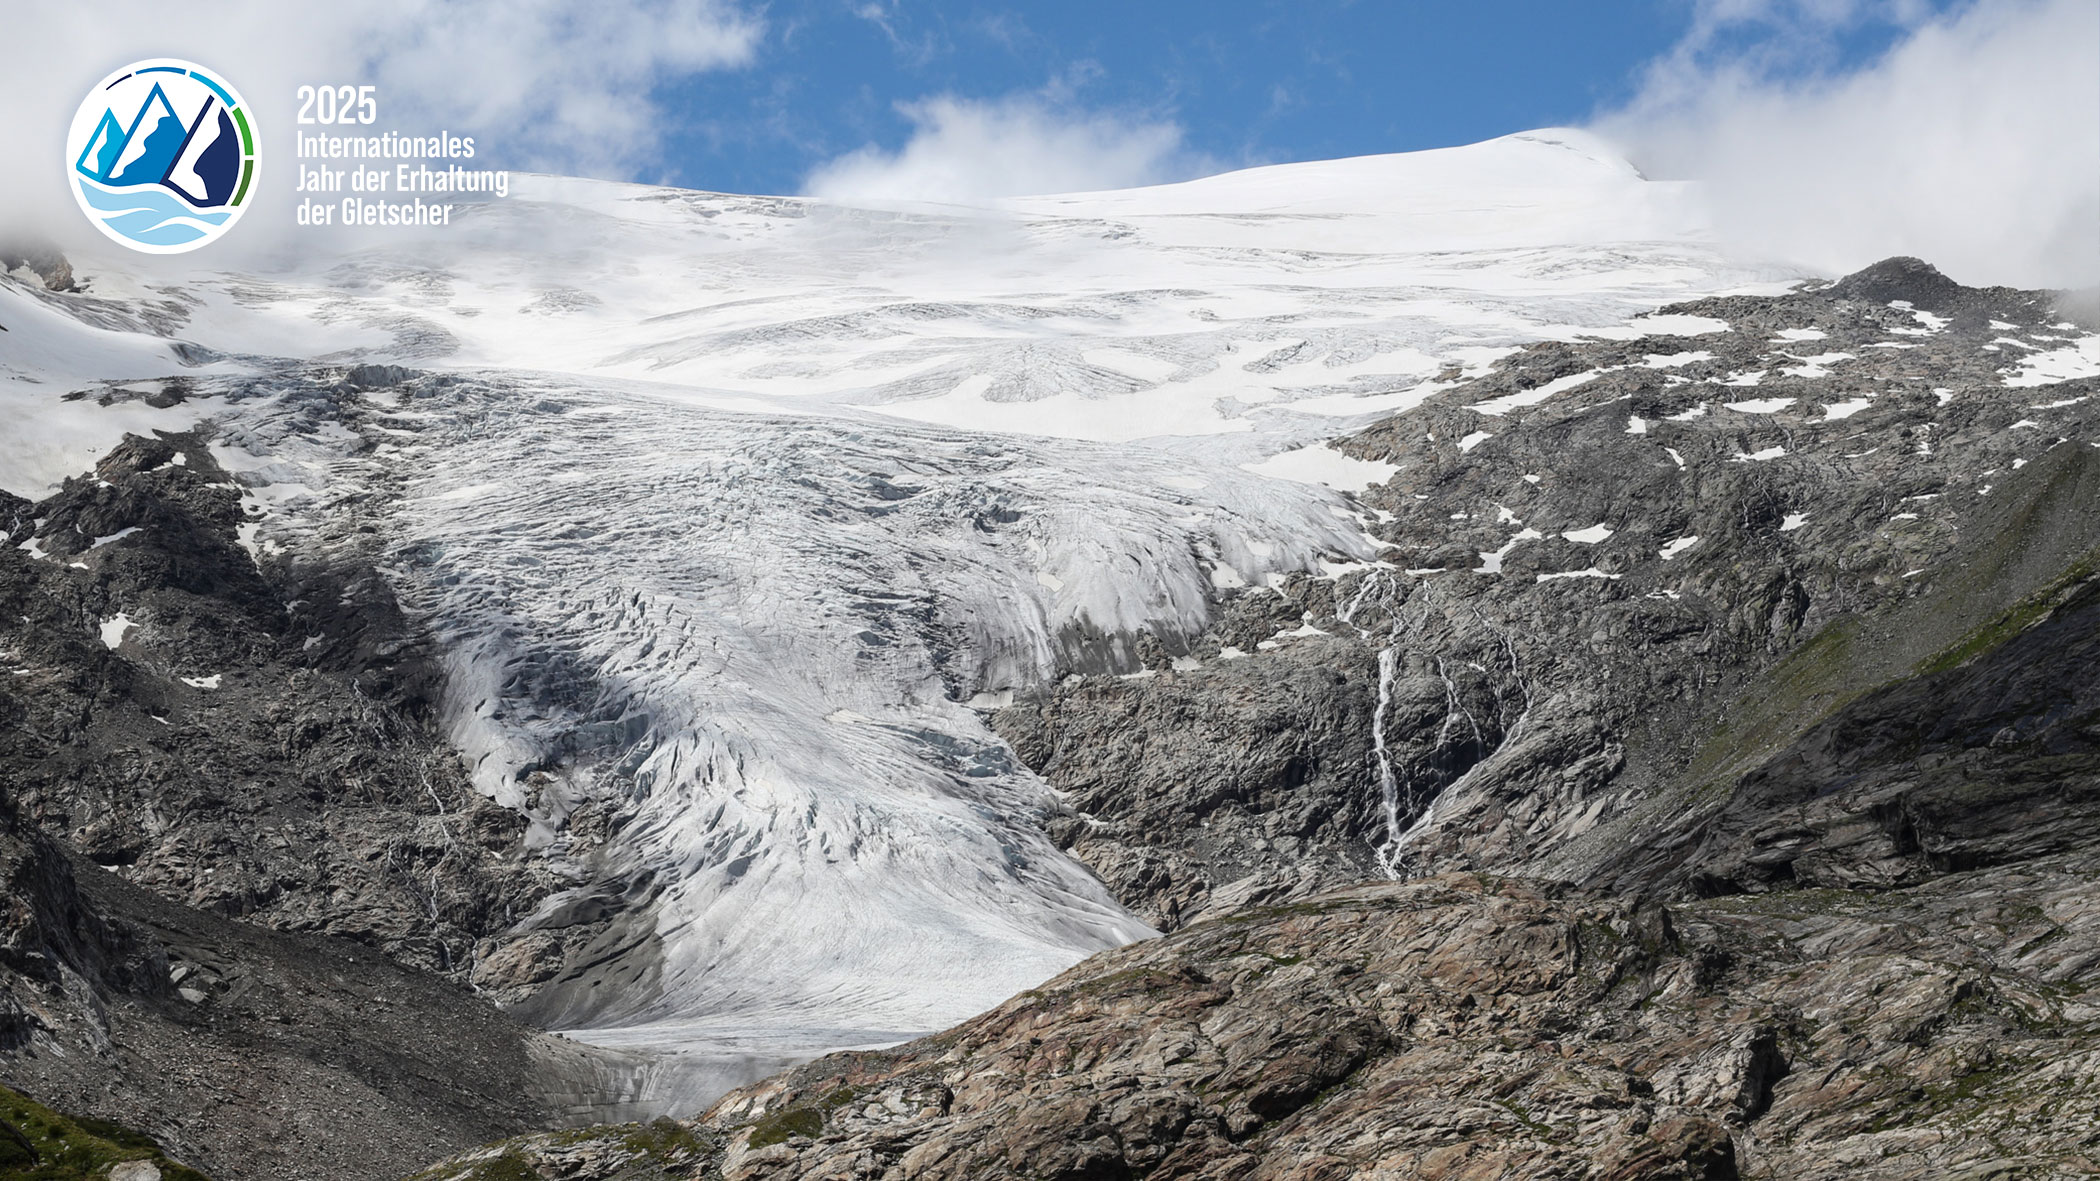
(243, 733)
(1463, 1026)
(241, 863)
(1619, 576)
(1733, 721)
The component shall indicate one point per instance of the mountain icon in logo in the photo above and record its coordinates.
(163, 156)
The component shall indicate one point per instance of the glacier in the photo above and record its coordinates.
(732, 514)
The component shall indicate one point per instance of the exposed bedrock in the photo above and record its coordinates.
(241, 863)
(1708, 544)
(240, 731)
(1198, 791)
(1620, 574)
(1469, 1027)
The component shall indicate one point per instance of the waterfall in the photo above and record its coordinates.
(1388, 784)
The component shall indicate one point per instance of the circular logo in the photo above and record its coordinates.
(162, 156)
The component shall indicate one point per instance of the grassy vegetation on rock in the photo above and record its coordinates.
(39, 1144)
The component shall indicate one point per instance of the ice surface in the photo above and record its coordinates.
(1816, 366)
(1675, 360)
(1532, 397)
(1491, 560)
(112, 538)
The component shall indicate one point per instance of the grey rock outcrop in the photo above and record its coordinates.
(1880, 493)
(245, 733)
(1605, 557)
(1463, 1027)
(41, 258)
(1198, 791)
(240, 863)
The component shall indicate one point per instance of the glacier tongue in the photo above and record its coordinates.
(757, 635)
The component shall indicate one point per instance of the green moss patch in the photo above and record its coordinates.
(2022, 615)
(508, 1167)
(803, 1119)
(39, 1144)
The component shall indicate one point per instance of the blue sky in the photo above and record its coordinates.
(1829, 132)
(1242, 81)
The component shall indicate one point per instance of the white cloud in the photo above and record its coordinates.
(557, 85)
(964, 150)
(1973, 143)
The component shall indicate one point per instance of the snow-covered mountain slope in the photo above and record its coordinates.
(1268, 300)
(728, 509)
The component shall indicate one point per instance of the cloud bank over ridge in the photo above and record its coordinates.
(1972, 142)
(964, 150)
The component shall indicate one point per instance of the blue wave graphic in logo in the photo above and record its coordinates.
(150, 214)
(163, 156)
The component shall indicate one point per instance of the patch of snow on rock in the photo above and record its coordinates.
(113, 630)
(1491, 561)
(1816, 366)
(1321, 464)
(1761, 405)
(2064, 364)
(1532, 397)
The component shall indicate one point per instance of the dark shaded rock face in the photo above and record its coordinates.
(55, 947)
(244, 734)
(1200, 791)
(191, 734)
(1990, 756)
(264, 1056)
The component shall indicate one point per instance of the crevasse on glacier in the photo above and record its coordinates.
(761, 633)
